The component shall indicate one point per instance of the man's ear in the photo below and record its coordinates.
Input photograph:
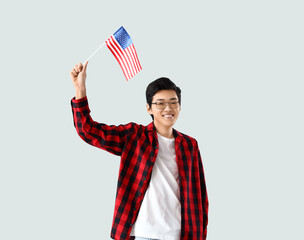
(148, 108)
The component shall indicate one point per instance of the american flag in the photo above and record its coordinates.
(122, 47)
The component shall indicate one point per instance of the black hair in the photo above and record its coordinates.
(162, 83)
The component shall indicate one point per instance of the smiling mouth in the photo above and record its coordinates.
(168, 115)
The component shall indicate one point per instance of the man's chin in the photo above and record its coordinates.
(165, 123)
(168, 124)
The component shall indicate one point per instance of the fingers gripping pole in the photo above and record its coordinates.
(95, 51)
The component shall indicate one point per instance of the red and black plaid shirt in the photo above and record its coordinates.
(138, 147)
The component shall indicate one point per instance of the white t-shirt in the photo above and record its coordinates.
(160, 212)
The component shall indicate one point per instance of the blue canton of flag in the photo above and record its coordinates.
(123, 38)
(122, 47)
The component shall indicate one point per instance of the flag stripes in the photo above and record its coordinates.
(127, 58)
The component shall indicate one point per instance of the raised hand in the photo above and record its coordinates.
(78, 76)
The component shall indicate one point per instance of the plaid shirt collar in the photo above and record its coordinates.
(178, 136)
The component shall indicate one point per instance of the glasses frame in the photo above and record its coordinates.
(167, 103)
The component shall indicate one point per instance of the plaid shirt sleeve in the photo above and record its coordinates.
(204, 194)
(107, 137)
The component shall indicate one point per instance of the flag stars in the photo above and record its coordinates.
(123, 38)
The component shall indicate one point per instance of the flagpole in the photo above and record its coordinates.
(95, 51)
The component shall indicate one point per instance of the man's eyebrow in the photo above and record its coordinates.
(161, 99)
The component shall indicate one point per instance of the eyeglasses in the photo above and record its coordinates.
(163, 105)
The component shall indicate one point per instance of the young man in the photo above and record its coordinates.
(161, 191)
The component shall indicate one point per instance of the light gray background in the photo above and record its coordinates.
(240, 67)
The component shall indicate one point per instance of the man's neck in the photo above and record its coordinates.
(164, 131)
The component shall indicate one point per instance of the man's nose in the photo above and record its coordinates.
(167, 106)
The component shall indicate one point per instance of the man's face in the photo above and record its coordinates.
(167, 116)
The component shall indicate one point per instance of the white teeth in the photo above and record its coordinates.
(168, 115)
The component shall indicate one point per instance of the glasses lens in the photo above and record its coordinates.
(162, 105)
(173, 105)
